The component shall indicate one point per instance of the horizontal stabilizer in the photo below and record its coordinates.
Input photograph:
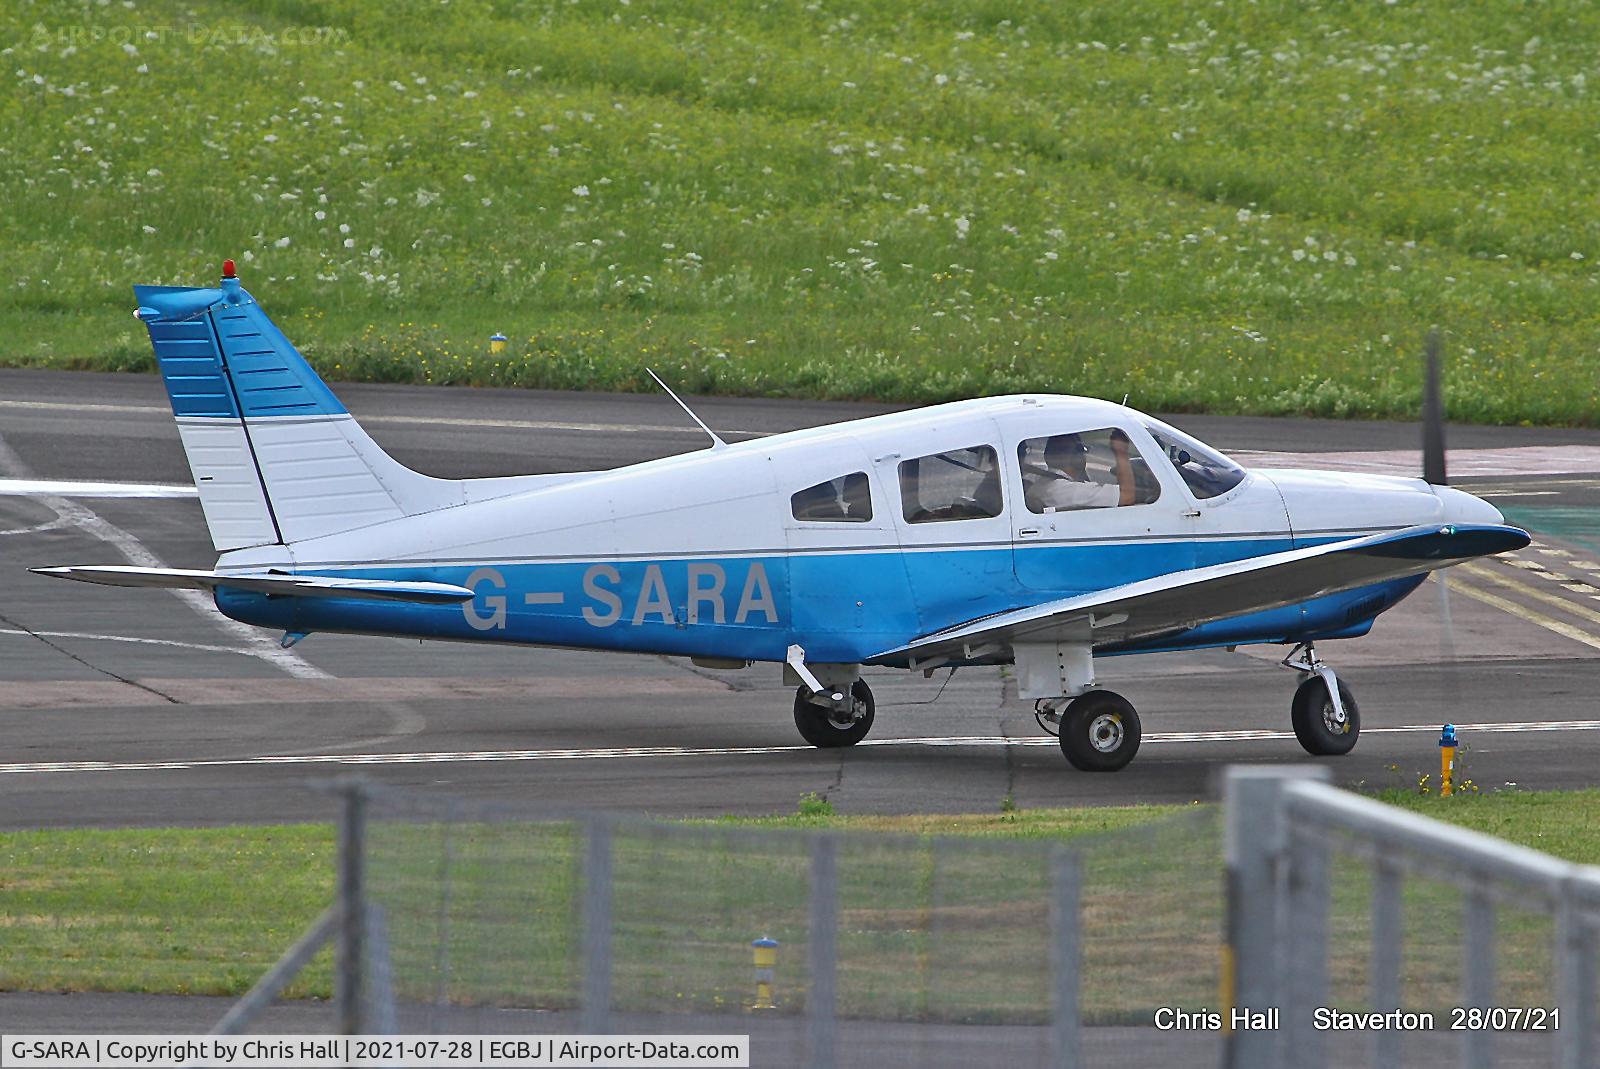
(280, 583)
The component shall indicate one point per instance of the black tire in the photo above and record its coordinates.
(818, 726)
(1100, 732)
(1315, 723)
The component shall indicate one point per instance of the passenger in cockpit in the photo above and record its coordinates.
(1065, 456)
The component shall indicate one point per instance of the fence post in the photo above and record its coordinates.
(348, 980)
(1255, 841)
(1387, 935)
(1478, 986)
(1576, 948)
(1307, 925)
(822, 952)
(596, 1013)
(1065, 900)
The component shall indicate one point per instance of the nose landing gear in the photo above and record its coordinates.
(834, 724)
(1326, 720)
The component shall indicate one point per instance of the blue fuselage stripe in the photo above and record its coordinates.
(842, 607)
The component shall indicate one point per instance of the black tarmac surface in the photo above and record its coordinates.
(178, 713)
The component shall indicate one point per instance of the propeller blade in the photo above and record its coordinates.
(1432, 415)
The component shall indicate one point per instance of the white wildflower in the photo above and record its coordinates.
(580, 191)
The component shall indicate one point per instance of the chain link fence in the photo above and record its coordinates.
(876, 949)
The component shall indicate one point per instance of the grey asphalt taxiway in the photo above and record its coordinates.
(122, 707)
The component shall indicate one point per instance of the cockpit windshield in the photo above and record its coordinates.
(1208, 473)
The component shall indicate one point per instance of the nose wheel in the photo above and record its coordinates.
(832, 725)
(1325, 725)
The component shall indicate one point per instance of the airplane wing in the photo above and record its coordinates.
(1182, 600)
(281, 583)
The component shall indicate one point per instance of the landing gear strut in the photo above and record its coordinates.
(1324, 713)
(1098, 730)
(829, 724)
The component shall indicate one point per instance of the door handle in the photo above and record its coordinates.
(1027, 532)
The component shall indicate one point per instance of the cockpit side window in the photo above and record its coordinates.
(961, 484)
(847, 499)
(1207, 472)
(1084, 470)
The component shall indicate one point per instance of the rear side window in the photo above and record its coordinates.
(962, 484)
(847, 499)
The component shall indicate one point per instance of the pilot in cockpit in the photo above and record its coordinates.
(1068, 485)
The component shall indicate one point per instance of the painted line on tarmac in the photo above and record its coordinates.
(492, 756)
(137, 553)
(422, 421)
(1533, 592)
(75, 488)
(1464, 463)
(88, 635)
(1549, 623)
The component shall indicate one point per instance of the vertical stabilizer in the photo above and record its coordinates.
(274, 454)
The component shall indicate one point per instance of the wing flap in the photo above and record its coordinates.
(1182, 600)
(278, 583)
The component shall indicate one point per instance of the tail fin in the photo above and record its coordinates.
(274, 454)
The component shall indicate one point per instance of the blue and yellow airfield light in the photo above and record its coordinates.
(497, 344)
(765, 951)
(1447, 760)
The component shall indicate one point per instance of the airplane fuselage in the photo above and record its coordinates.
(709, 553)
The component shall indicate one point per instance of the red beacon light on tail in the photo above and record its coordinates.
(228, 270)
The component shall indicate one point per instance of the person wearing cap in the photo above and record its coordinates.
(1068, 486)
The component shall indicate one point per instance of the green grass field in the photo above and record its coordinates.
(941, 919)
(1235, 208)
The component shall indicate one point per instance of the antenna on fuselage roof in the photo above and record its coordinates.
(716, 439)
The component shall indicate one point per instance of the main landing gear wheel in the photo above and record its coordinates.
(827, 727)
(1317, 723)
(1099, 731)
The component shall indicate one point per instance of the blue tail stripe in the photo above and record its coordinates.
(186, 352)
(272, 378)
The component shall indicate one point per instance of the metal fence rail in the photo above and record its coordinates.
(1288, 833)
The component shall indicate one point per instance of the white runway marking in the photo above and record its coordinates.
(427, 421)
(136, 553)
(75, 488)
(983, 741)
(201, 646)
(1519, 460)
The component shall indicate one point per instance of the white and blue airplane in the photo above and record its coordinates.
(1037, 531)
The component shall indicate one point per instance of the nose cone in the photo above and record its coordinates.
(1459, 506)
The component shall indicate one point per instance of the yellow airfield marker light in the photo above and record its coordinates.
(497, 344)
(765, 951)
(1447, 760)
